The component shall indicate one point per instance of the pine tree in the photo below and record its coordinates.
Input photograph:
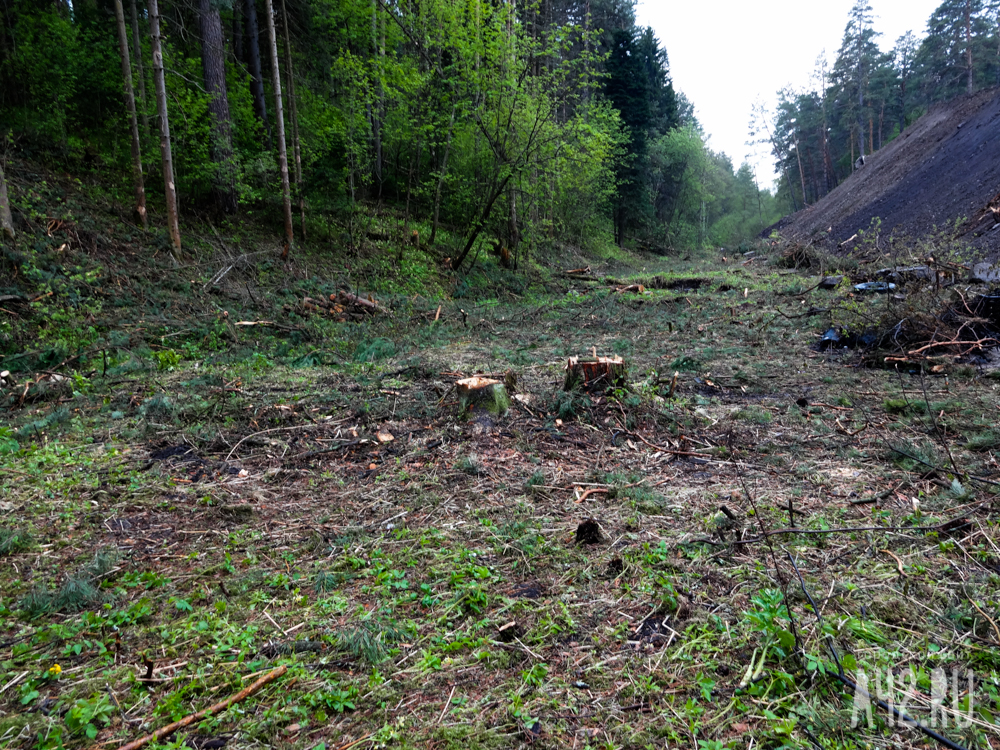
(169, 187)
(213, 60)
(6, 220)
(140, 192)
(279, 119)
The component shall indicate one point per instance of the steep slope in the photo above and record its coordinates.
(942, 171)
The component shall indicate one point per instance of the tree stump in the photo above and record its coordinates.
(595, 373)
(482, 394)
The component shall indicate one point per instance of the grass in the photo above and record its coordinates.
(307, 498)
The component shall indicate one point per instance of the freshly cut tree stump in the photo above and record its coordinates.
(482, 394)
(594, 373)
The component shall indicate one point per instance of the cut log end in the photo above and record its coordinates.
(595, 373)
(483, 395)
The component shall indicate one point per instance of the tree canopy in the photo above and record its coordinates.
(518, 123)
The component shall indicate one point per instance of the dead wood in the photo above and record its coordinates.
(210, 711)
(596, 373)
(482, 394)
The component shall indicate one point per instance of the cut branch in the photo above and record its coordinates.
(210, 711)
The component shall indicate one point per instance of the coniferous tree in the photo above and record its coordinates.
(169, 187)
(294, 117)
(140, 192)
(856, 60)
(213, 60)
(252, 44)
(6, 220)
(140, 73)
(279, 119)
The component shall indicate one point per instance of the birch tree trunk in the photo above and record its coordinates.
(169, 189)
(213, 60)
(140, 192)
(6, 220)
(293, 106)
(279, 120)
(139, 72)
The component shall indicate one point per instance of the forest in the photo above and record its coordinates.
(524, 122)
(521, 121)
(413, 374)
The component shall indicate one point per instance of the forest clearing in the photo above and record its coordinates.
(205, 501)
(415, 375)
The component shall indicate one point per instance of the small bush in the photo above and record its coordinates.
(371, 641)
(160, 406)
(34, 429)
(77, 593)
(918, 457)
(534, 481)
(984, 441)
(370, 351)
(324, 582)
(14, 540)
(686, 364)
(754, 415)
(569, 404)
(470, 465)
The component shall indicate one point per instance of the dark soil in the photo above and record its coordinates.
(941, 174)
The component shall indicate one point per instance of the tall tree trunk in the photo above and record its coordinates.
(253, 62)
(140, 192)
(802, 174)
(293, 106)
(968, 43)
(169, 190)
(513, 235)
(6, 220)
(376, 109)
(140, 73)
(213, 62)
(279, 120)
(902, 106)
(238, 34)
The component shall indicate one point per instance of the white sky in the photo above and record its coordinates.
(725, 55)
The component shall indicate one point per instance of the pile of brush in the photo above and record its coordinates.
(342, 306)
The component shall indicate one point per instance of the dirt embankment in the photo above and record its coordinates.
(942, 171)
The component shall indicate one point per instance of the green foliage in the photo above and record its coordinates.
(88, 715)
(79, 591)
(372, 640)
(166, 359)
(14, 540)
(337, 700)
(766, 618)
(370, 351)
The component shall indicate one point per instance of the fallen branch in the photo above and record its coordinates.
(980, 342)
(945, 527)
(940, 470)
(334, 449)
(210, 711)
(989, 619)
(808, 313)
(901, 718)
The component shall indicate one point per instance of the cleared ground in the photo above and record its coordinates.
(613, 570)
